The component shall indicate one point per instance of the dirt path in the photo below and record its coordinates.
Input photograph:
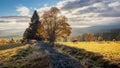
(59, 60)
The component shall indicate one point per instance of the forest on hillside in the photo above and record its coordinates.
(111, 35)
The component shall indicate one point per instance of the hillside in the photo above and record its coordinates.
(95, 29)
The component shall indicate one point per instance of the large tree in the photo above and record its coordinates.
(54, 25)
(31, 32)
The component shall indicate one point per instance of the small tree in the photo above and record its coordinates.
(89, 37)
(54, 26)
(71, 39)
(79, 38)
(100, 38)
(31, 32)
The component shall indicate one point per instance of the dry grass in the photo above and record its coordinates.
(7, 54)
(16, 55)
(110, 50)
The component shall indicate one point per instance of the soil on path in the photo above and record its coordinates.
(59, 60)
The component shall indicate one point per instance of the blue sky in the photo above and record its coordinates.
(80, 13)
(8, 7)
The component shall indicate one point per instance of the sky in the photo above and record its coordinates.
(80, 13)
(9, 7)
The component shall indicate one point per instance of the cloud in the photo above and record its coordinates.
(17, 19)
(14, 23)
(114, 4)
(42, 10)
(90, 12)
(23, 10)
(73, 4)
(84, 13)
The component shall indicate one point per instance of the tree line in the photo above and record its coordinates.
(86, 37)
(112, 35)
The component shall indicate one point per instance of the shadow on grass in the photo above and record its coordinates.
(87, 58)
(17, 59)
(27, 58)
(9, 46)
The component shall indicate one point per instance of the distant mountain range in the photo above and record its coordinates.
(11, 33)
(95, 29)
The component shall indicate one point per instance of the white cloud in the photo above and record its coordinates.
(77, 26)
(14, 22)
(114, 4)
(42, 9)
(63, 3)
(86, 12)
(90, 12)
(23, 10)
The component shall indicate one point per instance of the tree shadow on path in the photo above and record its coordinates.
(59, 60)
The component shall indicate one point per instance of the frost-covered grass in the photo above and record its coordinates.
(110, 50)
(9, 50)
(23, 56)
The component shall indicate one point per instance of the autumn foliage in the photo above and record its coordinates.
(100, 38)
(53, 25)
(89, 37)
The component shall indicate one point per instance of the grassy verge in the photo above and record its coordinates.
(92, 54)
(23, 56)
(8, 46)
(109, 50)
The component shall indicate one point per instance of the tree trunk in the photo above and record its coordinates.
(52, 40)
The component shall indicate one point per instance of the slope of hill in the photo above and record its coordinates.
(95, 29)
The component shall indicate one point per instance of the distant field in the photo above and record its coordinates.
(110, 50)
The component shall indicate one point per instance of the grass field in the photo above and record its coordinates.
(16, 55)
(109, 50)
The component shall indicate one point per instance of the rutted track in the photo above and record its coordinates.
(58, 60)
